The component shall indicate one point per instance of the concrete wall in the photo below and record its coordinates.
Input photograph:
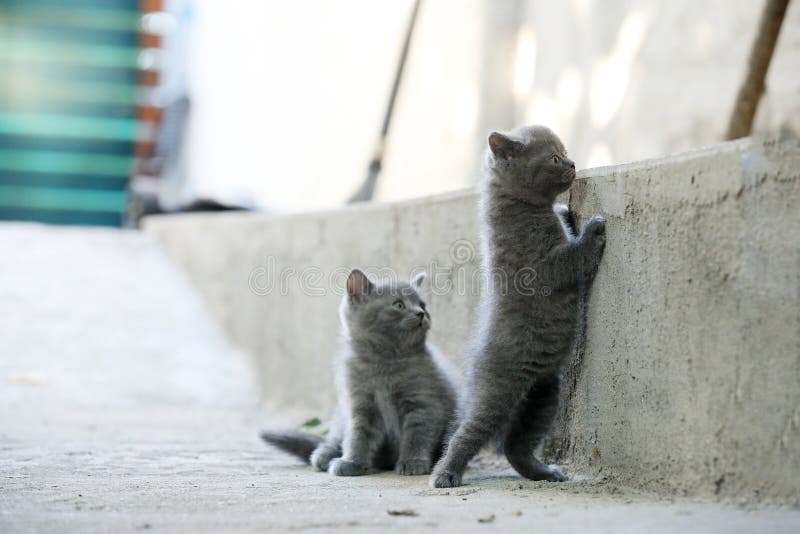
(689, 381)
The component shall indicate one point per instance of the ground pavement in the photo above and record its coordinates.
(123, 409)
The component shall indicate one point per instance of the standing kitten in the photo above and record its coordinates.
(396, 399)
(523, 336)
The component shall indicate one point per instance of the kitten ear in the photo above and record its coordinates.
(503, 146)
(358, 286)
(419, 279)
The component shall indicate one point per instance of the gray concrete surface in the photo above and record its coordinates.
(124, 410)
(689, 383)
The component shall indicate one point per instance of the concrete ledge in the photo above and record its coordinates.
(689, 381)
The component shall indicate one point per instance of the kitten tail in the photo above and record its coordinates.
(299, 444)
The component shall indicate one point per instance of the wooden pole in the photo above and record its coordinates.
(367, 189)
(744, 111)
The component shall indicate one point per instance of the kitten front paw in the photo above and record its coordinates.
(444, 479)
(595, 226)
(594, 239)
(322, 456)
(413, 466)
(344, 468)
(562, 210)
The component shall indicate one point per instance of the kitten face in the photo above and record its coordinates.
(531, 164)
(385, 311)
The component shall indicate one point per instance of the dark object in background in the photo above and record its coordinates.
(744, 111)
(367, 189)
(147, 204)
(209, 204)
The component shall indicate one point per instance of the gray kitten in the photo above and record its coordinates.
(524, 334)
(396, 397)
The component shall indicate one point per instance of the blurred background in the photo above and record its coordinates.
(110, 109)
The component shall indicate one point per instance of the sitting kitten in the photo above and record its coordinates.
(523, 337)
(396, 398)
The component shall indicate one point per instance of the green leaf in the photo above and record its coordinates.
(312, 423)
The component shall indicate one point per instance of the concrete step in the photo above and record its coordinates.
(689, 380)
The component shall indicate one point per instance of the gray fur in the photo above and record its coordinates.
(395, 396)
(523, 337)
(299, 444)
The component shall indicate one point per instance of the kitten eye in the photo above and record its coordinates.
(399, 304)
(556, 159)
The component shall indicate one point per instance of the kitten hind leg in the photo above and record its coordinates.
(529, 425)
(487, 417)
(464, 445)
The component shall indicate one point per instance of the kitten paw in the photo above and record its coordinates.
(596, 225)
(344, 468)
(322, 456)
(413, 466)
(555, 474)
(562, 210)
(594, 238)
(445, 479)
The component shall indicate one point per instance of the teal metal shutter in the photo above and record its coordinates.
(68, 109)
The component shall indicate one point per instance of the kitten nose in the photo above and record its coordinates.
(421, 315)
(569, 163)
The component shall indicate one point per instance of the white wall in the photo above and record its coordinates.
(624, 80)
(288, 96)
